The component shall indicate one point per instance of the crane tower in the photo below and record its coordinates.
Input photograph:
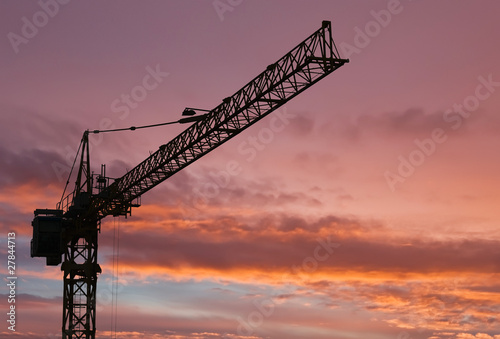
(68, 234)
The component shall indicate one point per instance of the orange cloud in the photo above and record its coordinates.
(410, 283)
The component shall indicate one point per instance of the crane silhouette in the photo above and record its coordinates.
(69, 233)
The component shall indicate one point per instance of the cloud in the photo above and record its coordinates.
(301, 126)
(170, 335)
(410, 283)
(42, 148)
(29, 165)
(387, 125)
(37, 130)
(35, 313)
(411, 121)
(477, 336)
(208, 188)
(225, 243)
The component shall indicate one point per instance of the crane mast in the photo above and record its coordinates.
(71, 230)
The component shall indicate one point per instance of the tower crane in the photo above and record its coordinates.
(68, 234)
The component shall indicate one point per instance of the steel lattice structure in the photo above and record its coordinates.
(76, 221)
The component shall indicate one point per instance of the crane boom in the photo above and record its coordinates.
(72, 228)
(303, 66)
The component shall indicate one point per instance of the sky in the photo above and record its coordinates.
(370, 212)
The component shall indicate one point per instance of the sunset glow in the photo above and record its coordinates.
(368, 208)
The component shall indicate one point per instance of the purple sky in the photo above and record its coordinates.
(394, 158)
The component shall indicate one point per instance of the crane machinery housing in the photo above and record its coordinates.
(68, 234)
